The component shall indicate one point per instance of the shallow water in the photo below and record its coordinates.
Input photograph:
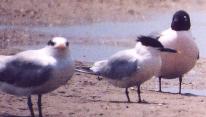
(84, 52)
(187, 92)
(94, 52)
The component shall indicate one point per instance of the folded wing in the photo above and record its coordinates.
(119, 67)
(24, 73)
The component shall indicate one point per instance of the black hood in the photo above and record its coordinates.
(181, 21)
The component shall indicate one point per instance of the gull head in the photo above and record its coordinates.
(181, 21)
(59, 43)
(58, 46)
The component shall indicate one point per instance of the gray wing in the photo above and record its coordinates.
(119, 68)
(25, 73)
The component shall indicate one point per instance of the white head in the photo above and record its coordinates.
(59, 45)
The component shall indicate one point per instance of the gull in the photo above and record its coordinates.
(132, 67)
(36, 72)
(178, 37)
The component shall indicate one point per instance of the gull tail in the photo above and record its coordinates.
(87, 70)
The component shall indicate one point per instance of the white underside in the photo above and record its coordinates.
(63, 69)
(148, 66)
(175, 65)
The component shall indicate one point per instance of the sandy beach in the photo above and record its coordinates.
(84, 95)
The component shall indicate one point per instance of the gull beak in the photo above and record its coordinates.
(61, 46)
(179, 52)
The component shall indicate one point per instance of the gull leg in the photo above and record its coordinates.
(29, 102)
(160, 84)
(39, 105)
(180, 84)
(127, 94)
(138, 92)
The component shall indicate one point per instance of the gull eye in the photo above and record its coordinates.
(185, 18)
(51, 43)
(67, 43)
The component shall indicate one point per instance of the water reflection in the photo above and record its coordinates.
(93, 52)
(82, 52)
(187, 92)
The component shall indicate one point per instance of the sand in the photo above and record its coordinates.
(84, 95)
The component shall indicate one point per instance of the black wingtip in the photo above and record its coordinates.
(149, 41)
(150, 37)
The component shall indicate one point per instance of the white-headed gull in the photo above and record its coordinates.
(36, 72)
(134, 66)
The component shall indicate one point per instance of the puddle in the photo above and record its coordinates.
(94, 52)
(116, 31)
(187, 92)
(89, 53)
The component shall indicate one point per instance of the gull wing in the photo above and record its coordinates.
(120, 66)
(24, 73)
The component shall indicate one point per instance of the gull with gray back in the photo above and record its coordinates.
(36, 72)
(132, 67)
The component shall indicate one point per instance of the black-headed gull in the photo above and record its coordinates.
(178, 37)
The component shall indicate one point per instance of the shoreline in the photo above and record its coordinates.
(84, 95)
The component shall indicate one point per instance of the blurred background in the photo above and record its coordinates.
(92, 25)
(97, 29)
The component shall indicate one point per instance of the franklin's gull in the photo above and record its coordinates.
(178, 37)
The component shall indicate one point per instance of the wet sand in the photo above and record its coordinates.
(84, 95)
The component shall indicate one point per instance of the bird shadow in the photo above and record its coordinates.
(183, 94)
(8, 115)
(189, 94)
(123, 102)
(126, 102)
